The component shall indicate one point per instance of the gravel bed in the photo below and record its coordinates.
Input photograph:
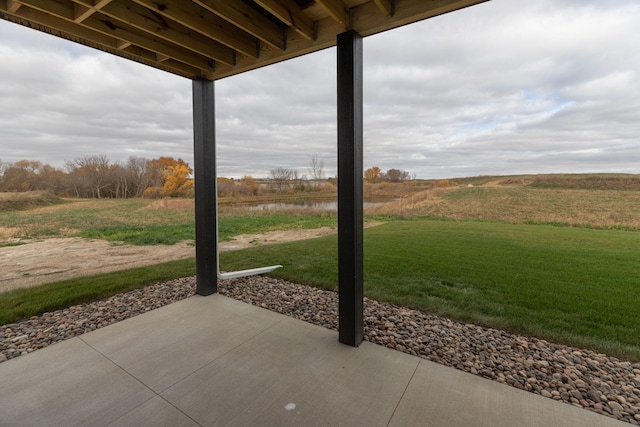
(579, 377)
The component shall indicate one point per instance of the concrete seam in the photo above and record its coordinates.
(404, 392)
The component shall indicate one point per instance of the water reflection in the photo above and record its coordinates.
(327, 205)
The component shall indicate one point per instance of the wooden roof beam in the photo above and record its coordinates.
(368, 20)
(296, 45)
(57, 8)
(81, 12)
(122, 44)
(289, 12)
(248, 19)
(85, 8)
(337, 10)
(169, 64)
(65, 26)
(69, 30)
(386, 6)
(156, 25)
(201, 20)
(122, 31)
(13, 6)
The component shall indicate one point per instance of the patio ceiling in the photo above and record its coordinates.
(213, 39)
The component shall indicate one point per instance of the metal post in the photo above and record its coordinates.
(350, 192)
(204, 153)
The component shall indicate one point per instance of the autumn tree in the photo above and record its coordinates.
(89, 175)
(20, 176)
(169, 177)
(129, 179)
(396, 175)
(136, 170)
(95, 176)
(177, 181)
(119, 182)
(53, 180)
(29, 175)
(250, 184)
(372, 175)
(225, 187)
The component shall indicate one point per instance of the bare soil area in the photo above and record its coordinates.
(51, 260)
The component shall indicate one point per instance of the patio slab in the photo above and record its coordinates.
(66, 384)
(215, 361)
(441, 396)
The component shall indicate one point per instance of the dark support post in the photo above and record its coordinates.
(350, 200)
(204, 156)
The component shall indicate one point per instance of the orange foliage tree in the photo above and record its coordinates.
(169, 177)
(373, 174)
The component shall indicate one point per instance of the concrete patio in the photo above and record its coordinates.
(217, 361)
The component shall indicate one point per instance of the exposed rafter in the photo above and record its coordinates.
(289, 12)
(214, 39)
(248, 19)
(386, 6)
(84, 9)
(13, 6)
(204, 22)
(337, 10)
(155, 24)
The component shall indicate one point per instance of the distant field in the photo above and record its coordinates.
(524, 200)
(592, 201)
(143, 221)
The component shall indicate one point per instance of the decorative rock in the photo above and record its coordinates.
(593, 395)
(615, 406)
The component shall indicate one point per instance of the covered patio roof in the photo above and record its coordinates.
(213, 39)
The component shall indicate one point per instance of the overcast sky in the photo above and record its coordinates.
(504, 87)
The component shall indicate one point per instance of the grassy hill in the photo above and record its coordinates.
(592, 201)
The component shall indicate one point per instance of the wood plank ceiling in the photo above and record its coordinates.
(213, 39)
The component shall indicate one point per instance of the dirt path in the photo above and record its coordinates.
(51, 260)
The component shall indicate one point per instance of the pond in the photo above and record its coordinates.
(327, 205)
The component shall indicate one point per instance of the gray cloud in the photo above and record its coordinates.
(500, 88)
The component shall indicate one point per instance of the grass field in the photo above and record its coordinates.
(555, 257)
(617, 209)
(28, 200)
(23, 303)
(571, 285)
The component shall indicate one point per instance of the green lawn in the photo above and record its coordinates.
(229, 226)
(26, 302)
(571, 285)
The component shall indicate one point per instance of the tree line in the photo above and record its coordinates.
(95, 176)
(374, 175)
